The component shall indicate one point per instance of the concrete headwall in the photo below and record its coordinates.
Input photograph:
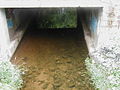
(90, 18)
(16, 23)
(4, 35)
(17, 19)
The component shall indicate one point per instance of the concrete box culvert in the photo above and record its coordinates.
(18, 21)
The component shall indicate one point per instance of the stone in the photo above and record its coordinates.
(45, 85)
(71, 84)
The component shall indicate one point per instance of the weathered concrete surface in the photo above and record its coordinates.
(49, 3)
(55, 3)
(4, 36)
(11, 37)
(90, 18)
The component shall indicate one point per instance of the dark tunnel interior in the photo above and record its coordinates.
(77, 31)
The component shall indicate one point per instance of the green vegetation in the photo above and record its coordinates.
(104, 64)
(10, 76)
(104, 76)
(57, 18)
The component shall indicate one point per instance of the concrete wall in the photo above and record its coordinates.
(90, 18)
(12, 29)
(4, 35)
(17, 19)
(22, 18)
(49, 3)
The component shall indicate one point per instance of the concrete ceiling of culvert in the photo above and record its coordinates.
(49, 3)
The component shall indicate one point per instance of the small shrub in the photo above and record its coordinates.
(10, 76)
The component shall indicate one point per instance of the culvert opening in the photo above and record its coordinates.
(56, 22)
(54, 53)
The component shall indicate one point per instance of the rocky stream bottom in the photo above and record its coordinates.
(54, 61)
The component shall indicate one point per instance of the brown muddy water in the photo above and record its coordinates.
(54, 60)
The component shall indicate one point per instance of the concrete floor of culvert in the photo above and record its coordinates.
(55, 60)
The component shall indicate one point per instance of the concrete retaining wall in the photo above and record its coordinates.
(90, 18)
(12, 30)
(22, 18)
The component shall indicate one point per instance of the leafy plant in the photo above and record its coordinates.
(55, 18)
(10, 76)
